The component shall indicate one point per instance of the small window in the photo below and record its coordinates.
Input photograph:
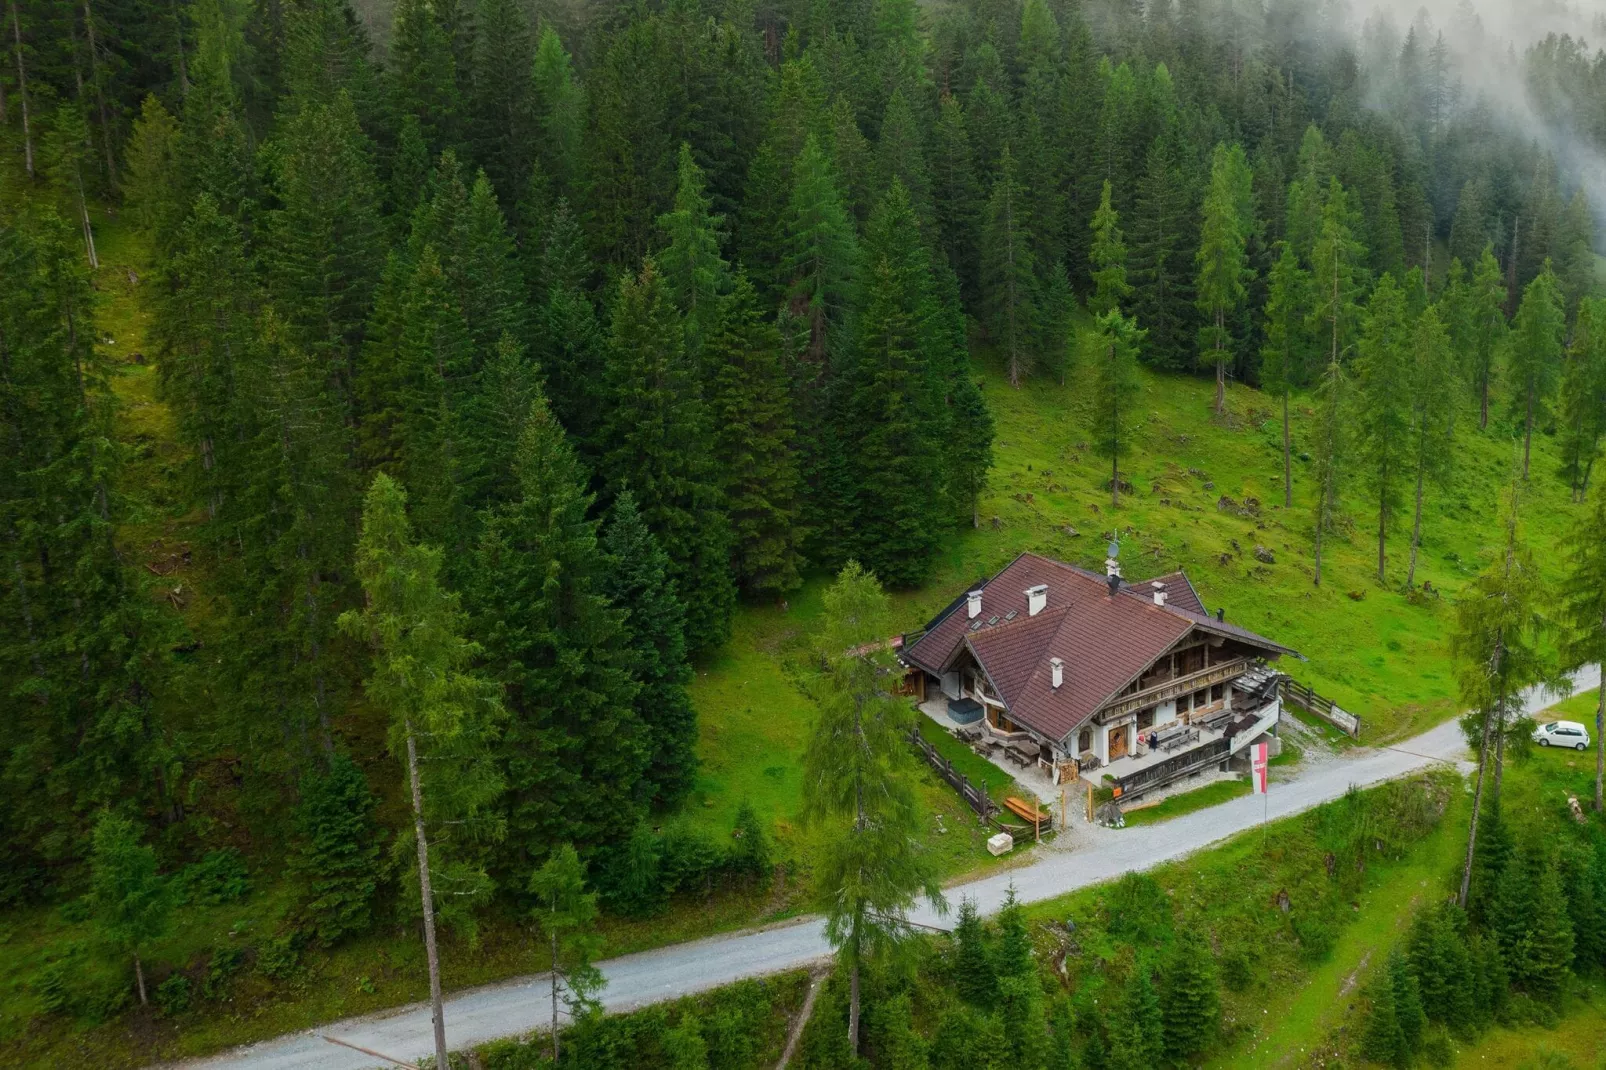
(1146, 718)
(1217, 691)
(1200, 698)
(1182, 704)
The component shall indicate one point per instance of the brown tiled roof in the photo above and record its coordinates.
(1103, 642)
(1179, 592)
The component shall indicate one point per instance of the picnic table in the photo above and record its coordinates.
(1180, 739)
(1018, 756)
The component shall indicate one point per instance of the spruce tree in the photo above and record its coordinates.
(1137, 1031)
(637, 580)
(891, 400)
(1162, 290)
(559, 106)
(573, 750)
(1534, 356)
(502, 114)
(858, 777)
(820, 264)
(1384, 406)
(1193, 1005)
(751, 407)
(1433, 388)
(132, 903)
(956, 192)
(1108, 257)
(975, 976)
(1330, 442)
(654, 442)
(693, 270)
(1487, 318)
(337, 850)
(424, 73)
(1285, 355)
(1223, 261)
(1383, 1040)
(1111, 354)
(1008, 272)
(1583, 397)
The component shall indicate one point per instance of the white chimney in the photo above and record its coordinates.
(974, 603)
(1058, 668)
(1159, 593)
(1036, 599)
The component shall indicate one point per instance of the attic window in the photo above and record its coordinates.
(992, 620)
(1012, 614)
(975, 625)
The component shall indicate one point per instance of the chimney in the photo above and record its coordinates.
(1058, 668)
(1221, 614)
(1036, 599)
(1112, 565)
(974, 604)
(1159, 593)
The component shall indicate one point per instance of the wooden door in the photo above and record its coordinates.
(1118, 738)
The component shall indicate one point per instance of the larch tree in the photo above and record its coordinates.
(1008, 272)
(559, 105)
(420, 677)
(1433, 388)
(567, 914)
(1330, 443)
(1383, 406)
(655, 440)
(1584, 613)
(132, 903)
(1285, 353)
(1534, 356)
(1108, 259)
(1497, 653)
(858, 785)
(1110, 352)
(1223, 258)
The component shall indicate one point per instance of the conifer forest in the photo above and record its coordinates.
(510, 357)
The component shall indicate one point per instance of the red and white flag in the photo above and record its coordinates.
(1259, 761)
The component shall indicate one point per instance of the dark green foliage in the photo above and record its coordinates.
(1008, 273)
(338, 852)
(975, 975)
(637, 581)
(890, 405)
(1394, 1025)
(1193, 1006)
(1443, 965)
(573, 749)
(655, 443)
(750, 403)
(1137, 1030)
(219, 877)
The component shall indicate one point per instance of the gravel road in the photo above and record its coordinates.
(514, 1007)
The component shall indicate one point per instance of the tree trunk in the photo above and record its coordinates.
(1600, 741)
(100, 96)
(1477, 809)
(22, 91)
(554, 996)
(1416, 530)
(1382, 543)
(437, 1011)
(178, 29)
(139, 980)
(1528, 436)
(853, 1009)
(1288, 458)
(1483, 397)
(1499, 743)
(1221, 364)
(1321, 522)
(1115, 481)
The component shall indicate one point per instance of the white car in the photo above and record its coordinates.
(1562, 734)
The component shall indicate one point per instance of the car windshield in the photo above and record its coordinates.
(1551, 727)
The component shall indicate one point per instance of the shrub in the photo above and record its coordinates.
(1316, 936)
(226, 962)
(1138, 910)
(173, 995)
(219, 877)
(749, 853)
(688, 862)
(51, 987)
(338, 850)
(280, 956)
(1236, 971)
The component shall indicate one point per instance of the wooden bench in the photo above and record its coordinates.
(1034, 818)
(1019, 757)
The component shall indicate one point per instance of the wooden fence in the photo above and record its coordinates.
(1317, 706)
(975, 796)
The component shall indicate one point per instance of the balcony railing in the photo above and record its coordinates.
(1172, 688)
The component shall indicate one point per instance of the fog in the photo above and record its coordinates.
(1487, 41)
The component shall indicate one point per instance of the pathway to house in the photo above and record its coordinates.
(519, 1006)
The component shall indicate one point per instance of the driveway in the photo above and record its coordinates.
(514, 1007)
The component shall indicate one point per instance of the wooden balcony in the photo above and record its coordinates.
(1170, 689)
